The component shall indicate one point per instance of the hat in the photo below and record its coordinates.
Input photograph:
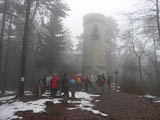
(55, 74)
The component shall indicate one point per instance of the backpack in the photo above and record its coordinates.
(79, 80)
(73, 81)
(86, 80)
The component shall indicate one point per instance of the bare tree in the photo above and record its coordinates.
(151, 19)
(156, 2)
(139, 55)
(149, 13)
(111, 35)
(136, 43)
(1, 42)
(156, 63)
(24, 50)
(7, 49)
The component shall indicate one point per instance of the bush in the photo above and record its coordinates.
(151, 88)
(129, 85)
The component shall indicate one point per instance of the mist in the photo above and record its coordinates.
(87, 41)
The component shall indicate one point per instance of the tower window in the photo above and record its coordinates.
(95, 35)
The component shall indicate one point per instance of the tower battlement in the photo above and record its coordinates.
(94, 17)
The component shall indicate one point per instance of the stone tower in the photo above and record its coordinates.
(94, 53)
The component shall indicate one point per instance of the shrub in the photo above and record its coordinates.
(129, 85)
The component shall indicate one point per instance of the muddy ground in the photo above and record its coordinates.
(121, 106)
(118, 106)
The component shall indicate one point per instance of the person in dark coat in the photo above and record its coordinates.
(43, 81)
(86, 82)
(109, 82)
(104, 78)
(65, 84)
(100, 84)
(65, 87)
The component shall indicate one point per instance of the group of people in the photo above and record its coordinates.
(74, 83)
(100, 83)
(66, 84)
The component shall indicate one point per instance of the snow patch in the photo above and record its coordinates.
(155, 98)
(84, 95)
(85, 103)
(8, 92)
(149, 96)
(73, 108)
(6, 98)
(94, 111)
(117, 90)
(157, 101)
(73, 102)
(28, 93)
(57, 101)
(7, 110)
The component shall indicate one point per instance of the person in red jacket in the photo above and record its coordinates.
(54, 85)
(69, 78)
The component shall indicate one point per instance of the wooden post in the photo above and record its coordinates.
(39, 91)
(116, 72)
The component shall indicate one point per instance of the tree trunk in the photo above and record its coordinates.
(1, 43)
(29, 60)
(35, 10)
(140, 72)
(110, 62)
(155, 63)
(7, 51)
(157, 17)
(24, 50)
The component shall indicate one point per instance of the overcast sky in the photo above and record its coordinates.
(79, 8)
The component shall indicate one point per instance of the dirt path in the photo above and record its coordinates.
(121, 106)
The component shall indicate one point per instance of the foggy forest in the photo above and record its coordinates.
(79, 60)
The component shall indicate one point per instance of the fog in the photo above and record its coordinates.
(114, 8)
(116, 39)
(80, 59)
